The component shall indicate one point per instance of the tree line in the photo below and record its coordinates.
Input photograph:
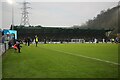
(107, 19)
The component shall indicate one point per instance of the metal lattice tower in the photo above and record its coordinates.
(25, 13)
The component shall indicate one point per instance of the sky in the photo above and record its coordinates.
(47, 14)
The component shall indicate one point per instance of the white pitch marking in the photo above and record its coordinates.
(85, 56)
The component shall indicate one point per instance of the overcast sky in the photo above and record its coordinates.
(55, 13)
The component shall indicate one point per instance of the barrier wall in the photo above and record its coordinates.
(3, 47)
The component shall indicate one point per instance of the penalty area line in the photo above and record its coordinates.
(84, 56)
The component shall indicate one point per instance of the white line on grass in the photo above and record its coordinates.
(85, 56)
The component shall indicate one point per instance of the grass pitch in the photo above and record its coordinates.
(62, 61)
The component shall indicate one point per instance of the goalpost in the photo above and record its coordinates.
(77, 40)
